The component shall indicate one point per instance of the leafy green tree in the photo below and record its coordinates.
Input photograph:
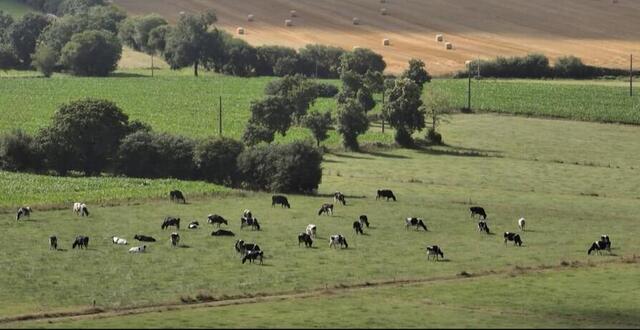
(105, 18)
(352, 121)
(190, 43)
(256, 132)
(8, 59)
(74, 7)
(135, 31)
(45, 59)
(404, 110)
(438, 106)
(321, 61)
(267, 57)
(92, 53)
(23, 35)
(362, 60)
(273, 112)
(216, 159)
(319, 124)
(158, 38)
(241, 59)
(6, 21)
(59, 33)
(18, 152)
(298, 90)
(417, 73)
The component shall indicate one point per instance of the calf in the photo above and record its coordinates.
(512, 237)
(53, 243)
(279, 199)
(24, 211)
(482, 226)
(216, 219)
(249, 222)
(118, 240)
(479, 211)
(222, 232)
(253, 255)
(434, 251)
(364, 220)
(521, 223)
(339, 197)
(170, 221)
(175, 239)
(138, 249)
(305, 238)
(326, 208)
(357, 226)
(311, 230)
(176, 195)
(386, 193)
(416, 222)
(81, 241)
(143, 238)
(338, 239)
(194, 225)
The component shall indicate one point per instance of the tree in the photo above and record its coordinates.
(189, 42)
(8, 59)
(404, 110)
(352, 121)
(362, 60)
(299, 91)
(84, 135)
(92, 53)
(135, 31)
(321, 61)
(158, 38)
(319, 124)
(417, 73)
(268, 56)
(241, 59)
(45, 59)
(105, 18)
(216, 159)
(74, 7)
(438, 108)
(273, 112)
(6, 21)
(255, 133)
(23, 35)
(18, 152)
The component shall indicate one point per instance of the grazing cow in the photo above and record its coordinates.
(364, 220)
(249, 222)
(24, 211)
(216, 219)
(279, 199)
(326, 208)
(81, 209)
(138, 249)
(194, 225)
(357, 226)
(81, 241)
(416, 222)
(171, 221)
(242, 247)
(603, 244)
(311, 230)
(176, 195)
(222, 232)
(175, 239)
(434, 251)
(53, 243)
(479, 211)
(119, 241)
(305, 238)
(253, 255)
(338, 239)
(339, 197)
(605, 238)
(386, 193)
(247, 213)
(521, 223)
(512, 237)
(482, 226)
(143, 238)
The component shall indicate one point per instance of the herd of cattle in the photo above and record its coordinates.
(251, 251)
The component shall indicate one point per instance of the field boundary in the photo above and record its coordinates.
(212, 302)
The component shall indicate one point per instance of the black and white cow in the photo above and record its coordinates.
(24, 211)
(253, 255)
(339, 197)
(171, 221)
(280, 199)
(81, 241)
(176, 195)
(216, 219)
(416, 222)
(243, 248)
(483, 226)
(138, 249)
(386, 193)
(364, 220)
(512, 237)
(434, 251)
(175, 239)
(338, 239)
(603, 244)
(81, 209)
(53, 243)
(119, 240)
(311, 230)
(194, 225)
(222, 232)
(326, 208)
(143, 238)
(305, 238)
(479, 211)
(249, 222)
(357, 226)
(247, 214)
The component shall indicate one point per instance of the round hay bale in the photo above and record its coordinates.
(288, 22)
(293, 13)
(439, 38)
(250, 17)
(386, 42)
(181, 13)
(356, 21)
(240, 30)
(448, 45)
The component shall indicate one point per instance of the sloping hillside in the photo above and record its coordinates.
(599, 31)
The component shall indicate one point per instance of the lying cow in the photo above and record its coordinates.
(171, 221)
(24, 211)
(143, 238)
(483, 226)
(339, 197)
(357, 226)
(326, 208)
(477, 210)
(416, 222)
(194, 225)
(216, 219)
(279, 199)
(434, 251)
(222, 232)
(305, 238)
(512, 237)
(253, 255)
(338, 239)
(81, 241)
(118, 240)
(386, 193)
(53, 243)
(311, 230)
(176, 195)
(175, 239)
(138, 249)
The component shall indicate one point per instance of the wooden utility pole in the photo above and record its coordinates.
(469, 92)
(631, 75)
(382, 108)
(151, 65)
(220, 118)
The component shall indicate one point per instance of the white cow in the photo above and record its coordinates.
(338, 239)
(311, 230)
(138, 249)
(119, 241)
(81, 209)
(521, 223)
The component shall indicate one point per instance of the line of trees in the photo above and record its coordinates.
(93, 136)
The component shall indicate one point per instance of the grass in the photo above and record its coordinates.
(490, 161)
(487, 302)
(14, 8)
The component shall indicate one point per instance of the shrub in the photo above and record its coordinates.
(18, 152)
(433, 137)
(326, 90)
(45, 59)
(216, 159)
(530, 66)
(92, 53)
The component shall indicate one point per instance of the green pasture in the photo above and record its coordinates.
(14, 8)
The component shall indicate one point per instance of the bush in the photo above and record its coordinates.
(327, 90)
(571, 67)
(45, 59)
(216, 160)
(433, 137)
(18, 152)
(530, 66)
(92, 53)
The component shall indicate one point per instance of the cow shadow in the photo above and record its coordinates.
(61, 250)
(184, 246)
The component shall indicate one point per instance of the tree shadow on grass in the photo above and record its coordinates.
(382, 154)
(127, 75)
(453, 151)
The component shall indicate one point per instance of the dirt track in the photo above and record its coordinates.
(599, 31)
